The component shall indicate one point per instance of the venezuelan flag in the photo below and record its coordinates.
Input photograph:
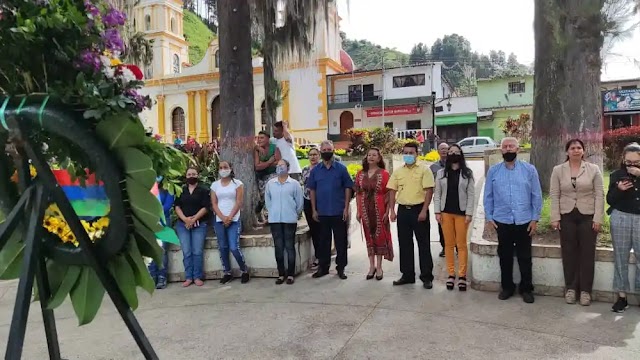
(89, 201)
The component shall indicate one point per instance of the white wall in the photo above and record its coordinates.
(399, 122)
(303, 97)
(459, 105)
(341, 86)
(407, 92)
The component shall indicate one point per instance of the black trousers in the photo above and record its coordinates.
(441, 235)
(284, 239)
(332, 225)
(512, 236)
(408, 225)
(578, 244)
(314, 226)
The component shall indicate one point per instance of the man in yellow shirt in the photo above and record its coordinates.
(412, 188)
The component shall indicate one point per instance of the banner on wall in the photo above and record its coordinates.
(395, 110)
(621, 100)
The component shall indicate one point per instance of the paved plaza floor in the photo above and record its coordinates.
(329, 318)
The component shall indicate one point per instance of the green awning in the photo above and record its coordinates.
(456, 119)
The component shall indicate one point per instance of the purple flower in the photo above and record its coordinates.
(91, 9)
(141, 101)
(89, 59)
(114, 18)
(112, 40)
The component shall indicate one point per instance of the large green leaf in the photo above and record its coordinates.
(125, 277)
(121, 130)
(86, 296)
(143, 278)
(11, 257)
(55, 274)
(138, 166)
(60, 293)
(147, 243)
(145, 205)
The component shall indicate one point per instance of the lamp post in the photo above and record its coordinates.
(433, 119)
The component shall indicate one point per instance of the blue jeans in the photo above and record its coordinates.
(284, 239)
(229, 240)
(154, 270)
(192, 243)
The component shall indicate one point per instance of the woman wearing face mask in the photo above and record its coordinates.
(226, 199)
(453, 203)
(284, 200)
(625, 221)
(372, 198)
(191, 207)
(577, 210)
(314, 226)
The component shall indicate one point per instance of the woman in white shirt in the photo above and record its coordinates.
(226, 199)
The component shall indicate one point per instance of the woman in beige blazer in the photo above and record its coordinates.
(453, 203)
(577, 211)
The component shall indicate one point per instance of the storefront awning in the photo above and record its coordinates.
(456, 120)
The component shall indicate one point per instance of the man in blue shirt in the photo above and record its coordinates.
(512, 205)
(330, 190)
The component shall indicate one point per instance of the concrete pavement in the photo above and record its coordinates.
(329, 318)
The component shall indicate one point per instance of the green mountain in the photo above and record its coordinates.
(198, 35)
(368, 56)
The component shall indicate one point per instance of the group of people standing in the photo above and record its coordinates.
(513, 205)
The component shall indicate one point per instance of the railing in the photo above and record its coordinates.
(412, 134)
(355, 97)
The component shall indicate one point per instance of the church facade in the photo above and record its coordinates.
(187, 97)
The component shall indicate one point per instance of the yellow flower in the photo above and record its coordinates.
(115, 62)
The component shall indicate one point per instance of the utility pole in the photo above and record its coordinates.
(383, 54)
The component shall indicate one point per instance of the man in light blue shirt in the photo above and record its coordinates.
(284, 200)
(512, 205)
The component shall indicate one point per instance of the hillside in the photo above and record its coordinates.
(367, 55)
(197, 35)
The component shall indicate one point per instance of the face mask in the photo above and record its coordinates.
(409, 159)
(454, 158)
(224, 173)
(509, 157)
(326, 155)
(192, 181)
(281, 169)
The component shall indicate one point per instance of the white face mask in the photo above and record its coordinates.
(224, 173)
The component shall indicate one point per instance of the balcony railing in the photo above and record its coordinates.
(412, 134)
(355, 97)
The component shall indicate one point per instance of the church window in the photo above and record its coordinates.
(176, 64)
(177, 123)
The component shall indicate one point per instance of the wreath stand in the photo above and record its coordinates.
(29, 210)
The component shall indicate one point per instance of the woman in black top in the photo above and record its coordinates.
(624, 198)
(191, 207)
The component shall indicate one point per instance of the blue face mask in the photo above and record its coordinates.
(409, 159)
(281, 170)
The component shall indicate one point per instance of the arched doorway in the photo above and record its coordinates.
(177, 124)
(263, 115)
(346, 123)
(215, 118)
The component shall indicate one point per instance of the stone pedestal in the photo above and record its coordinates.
(258, 251)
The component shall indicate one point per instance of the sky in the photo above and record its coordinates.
(505, 25)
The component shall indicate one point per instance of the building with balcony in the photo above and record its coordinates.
(500, 99)
(456, 118)
(620, 103)
(399, 98)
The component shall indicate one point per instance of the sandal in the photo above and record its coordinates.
(280, 280)
(451, 282)
(462, 283)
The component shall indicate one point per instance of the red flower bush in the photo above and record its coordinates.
(614, 142)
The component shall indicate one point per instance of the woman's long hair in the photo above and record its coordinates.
(365, 163)
(571, 142)
(464, 169)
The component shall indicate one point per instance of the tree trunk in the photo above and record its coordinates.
(567, 104)
(236, 99)
(270, 82)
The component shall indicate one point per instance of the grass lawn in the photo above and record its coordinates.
(303, 162)
(197, 35)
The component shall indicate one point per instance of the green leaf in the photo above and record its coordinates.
(146, 240)
(68, 281)
(125, 278)
(146, 207)
(121, 130)
(143, 278)
(86, 296)
(138, 166)
(11, 257)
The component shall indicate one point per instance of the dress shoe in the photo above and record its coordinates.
(427, 284)
(342, 275)
(442, 253)
(403, 281)
(319, 274)
(505, 294)
(371, 275)
(528, 297)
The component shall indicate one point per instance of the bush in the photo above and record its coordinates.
(614, 142)
(353, 169)
(382, 138)
(432, 156)
(302, 153)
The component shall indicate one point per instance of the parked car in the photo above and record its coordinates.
(476, 145)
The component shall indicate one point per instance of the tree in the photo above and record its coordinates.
(419, 53)
(569, 38)
(236, 98)
(519, 128)
(291, 40)
(454, 51)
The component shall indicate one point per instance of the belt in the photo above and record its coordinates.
(409, 207)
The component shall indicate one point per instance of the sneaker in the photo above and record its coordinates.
(244, 278)
(621, 305)
(570, 296)
(585, 298)
(226, 278)
(162, 283)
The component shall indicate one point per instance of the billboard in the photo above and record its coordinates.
(621, 100)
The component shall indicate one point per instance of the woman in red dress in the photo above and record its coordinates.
(373, 213)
